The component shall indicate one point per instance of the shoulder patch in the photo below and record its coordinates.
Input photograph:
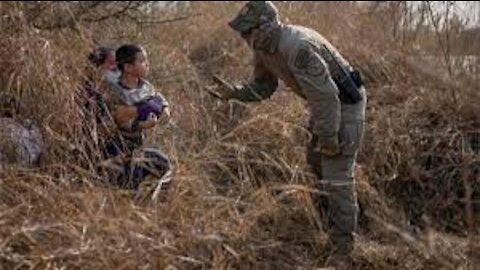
(301, 60)
(309, 63)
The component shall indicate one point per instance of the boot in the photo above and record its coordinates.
(337, 254)
(340, 262)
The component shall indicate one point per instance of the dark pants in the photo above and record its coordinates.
(140, 162)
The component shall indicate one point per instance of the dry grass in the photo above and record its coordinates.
(242, 193)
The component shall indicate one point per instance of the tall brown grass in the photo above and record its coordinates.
(241, 198)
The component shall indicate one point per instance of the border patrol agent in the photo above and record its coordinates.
(336, 101)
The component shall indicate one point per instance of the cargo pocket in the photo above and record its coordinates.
(350, 137)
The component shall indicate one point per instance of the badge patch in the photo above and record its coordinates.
(308, 63)
(301, 61)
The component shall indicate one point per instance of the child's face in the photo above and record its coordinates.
(109, 63)
(140, 67)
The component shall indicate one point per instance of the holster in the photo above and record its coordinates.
(349, 86)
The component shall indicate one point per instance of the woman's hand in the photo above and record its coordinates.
(149, 123)
(124, 116)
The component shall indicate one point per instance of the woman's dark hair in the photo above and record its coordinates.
(99, 55)
(126, 54)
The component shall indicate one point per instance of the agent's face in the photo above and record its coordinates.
(248, 37)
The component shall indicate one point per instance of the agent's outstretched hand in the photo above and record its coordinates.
(222, 90)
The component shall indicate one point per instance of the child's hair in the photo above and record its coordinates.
(99, 55)
(126, 54)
